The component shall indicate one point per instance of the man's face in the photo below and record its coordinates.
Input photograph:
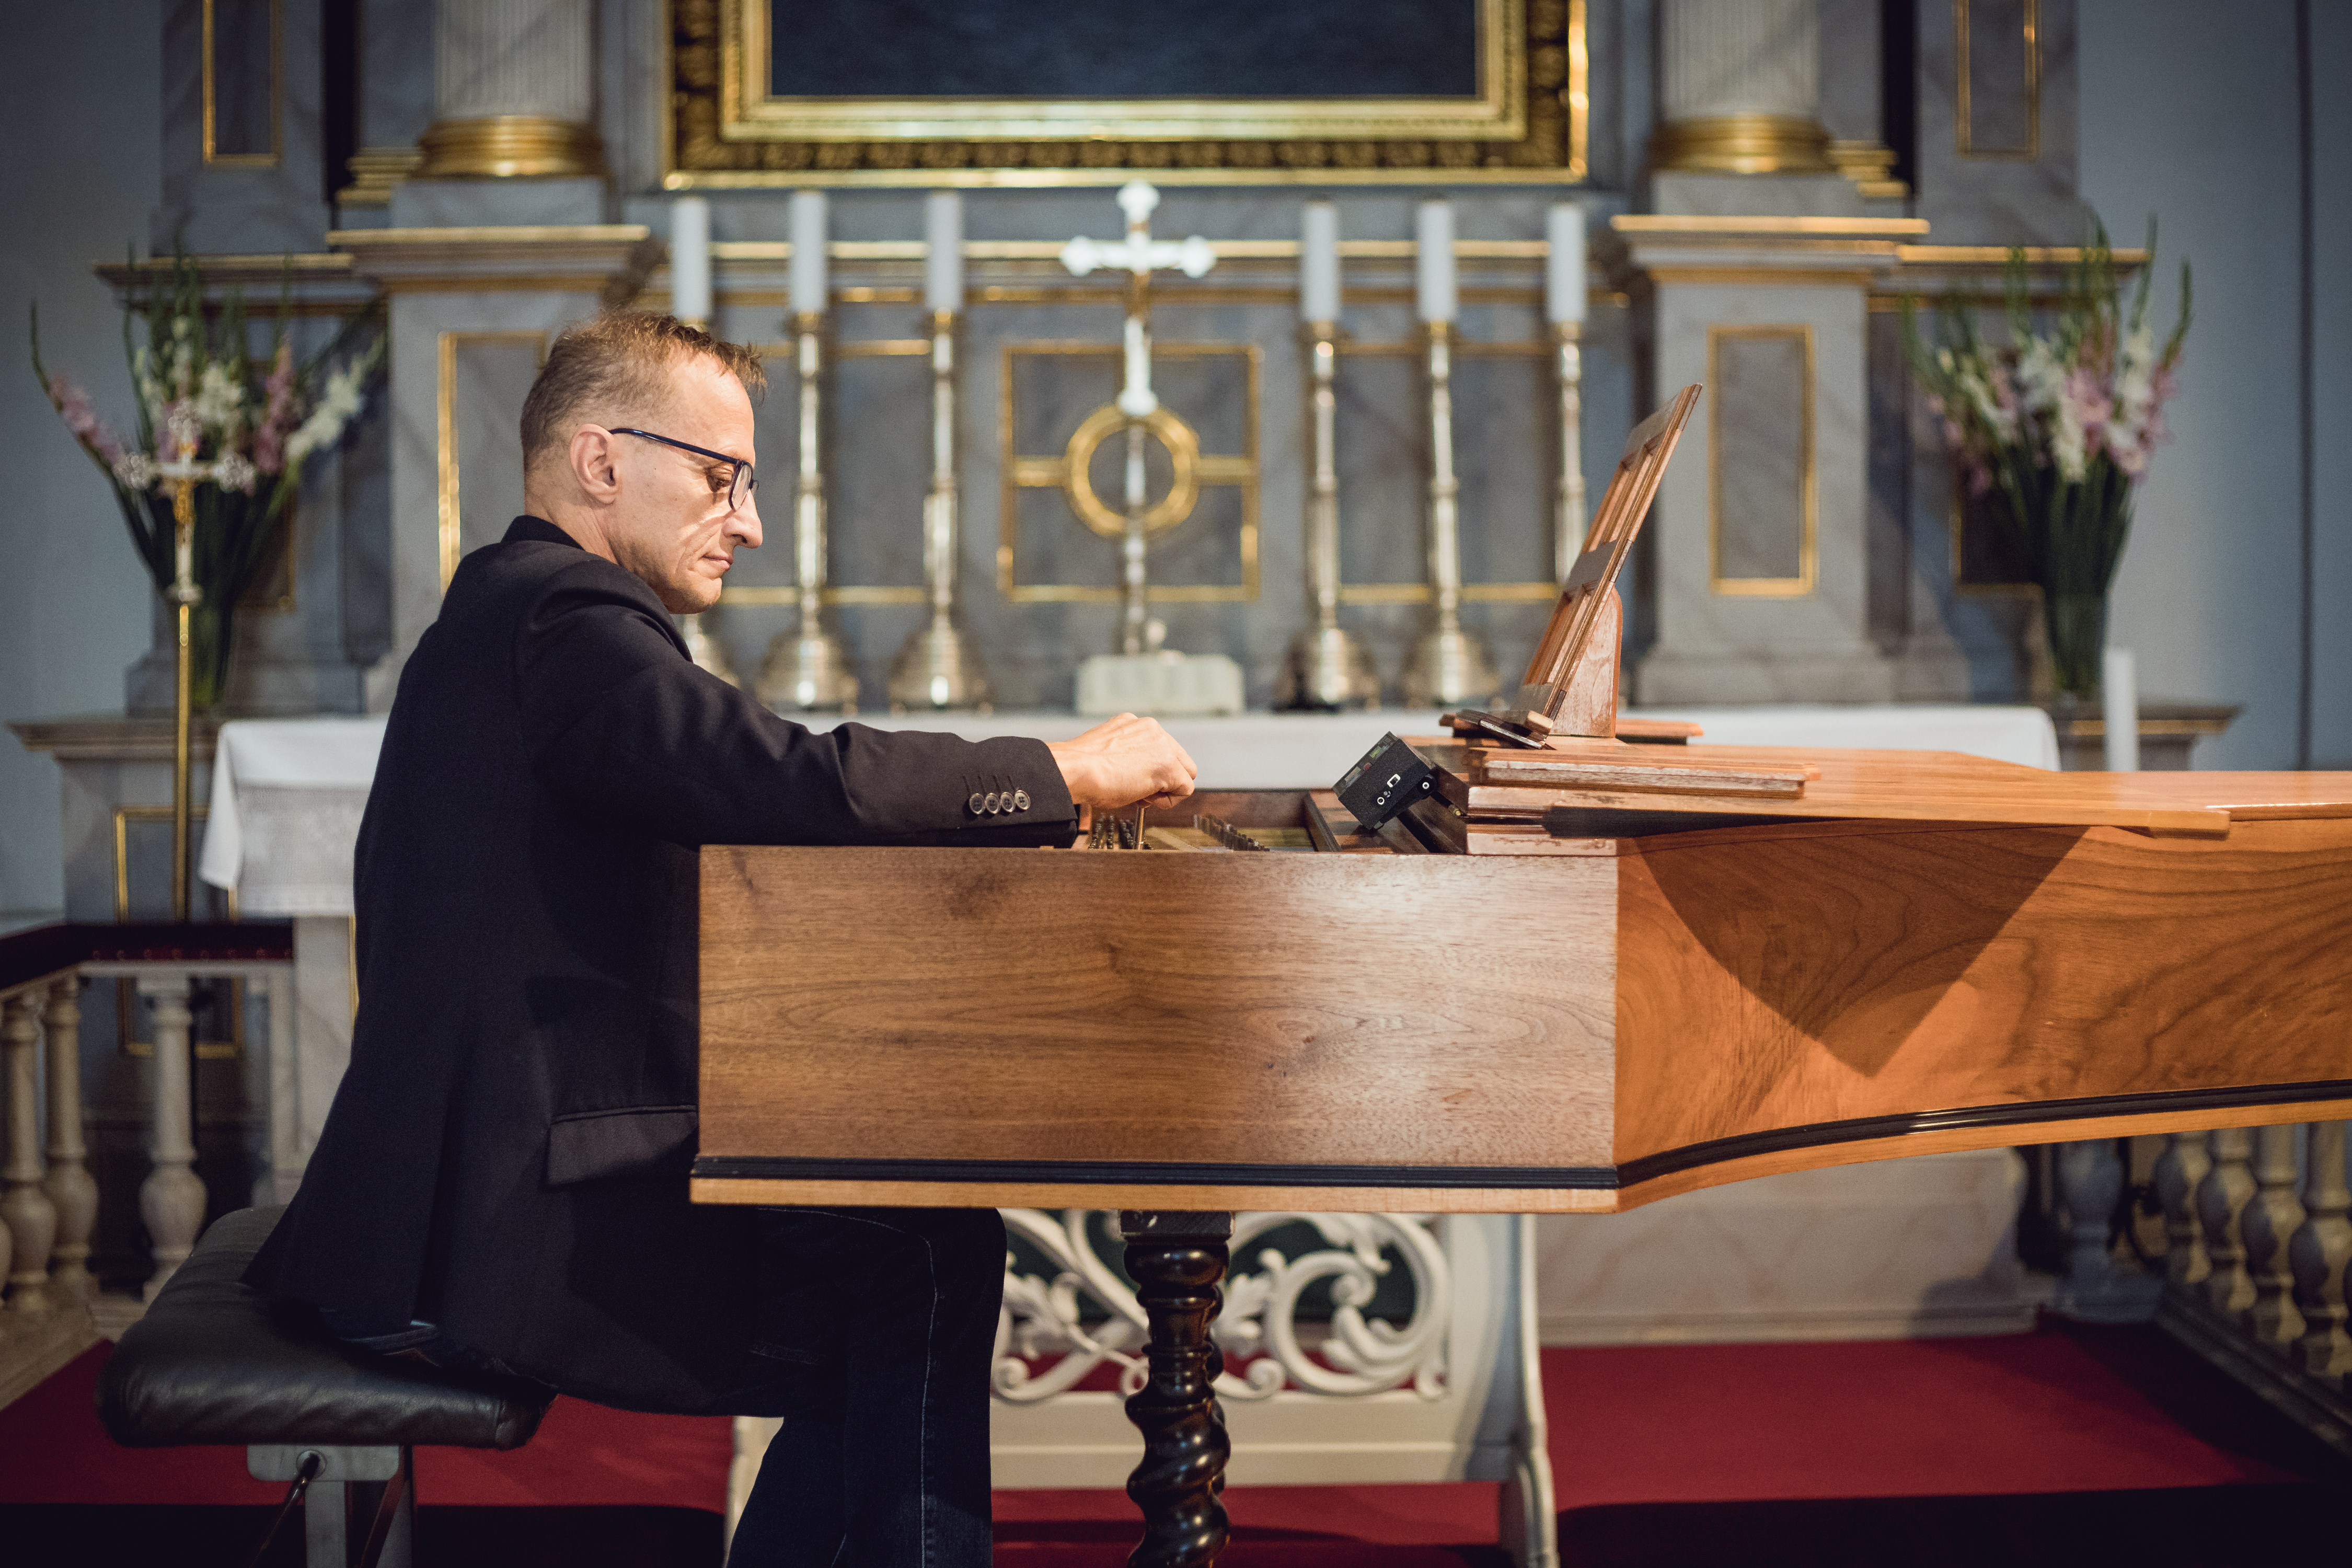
(672, 525)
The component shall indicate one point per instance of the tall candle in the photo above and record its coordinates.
(1433, 231)
(690, 259)
(943, 251)
(1564, 265)
(2119, 686)
(1318, 261)
(808, 252)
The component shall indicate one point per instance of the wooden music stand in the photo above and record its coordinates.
(1570, 687)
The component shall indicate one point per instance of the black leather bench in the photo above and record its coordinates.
(215, 1362)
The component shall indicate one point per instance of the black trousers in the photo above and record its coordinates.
(881, 1324)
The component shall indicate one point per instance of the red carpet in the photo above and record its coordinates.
(1997, 1448)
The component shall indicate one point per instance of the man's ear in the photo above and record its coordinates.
(592, 457)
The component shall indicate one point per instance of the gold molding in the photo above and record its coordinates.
(1019, 471)
(373, 172)
(508, 147)
(1962, 133)
(1808, 538)
(269, 159)
(1528, 124)
(1742, 145)
(444, 409)
(1764, 276)
(1755, 224)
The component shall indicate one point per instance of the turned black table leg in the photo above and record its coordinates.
(1178, 1260)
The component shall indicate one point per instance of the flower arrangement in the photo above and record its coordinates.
(2055, 430)
(203, 398)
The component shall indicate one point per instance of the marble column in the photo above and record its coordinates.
(1740, 88)
(513, 100)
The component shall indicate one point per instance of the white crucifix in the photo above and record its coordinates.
(1139, 256)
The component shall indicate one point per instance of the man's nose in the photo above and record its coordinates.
(743, 522)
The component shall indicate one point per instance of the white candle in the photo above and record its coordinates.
(1433, 231)
(808, 252)
(690, 259)
(2119, 687)
(1318, 261)
(1564, 265)
(943, 251)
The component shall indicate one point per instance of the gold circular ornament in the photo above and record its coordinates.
(1184, 458)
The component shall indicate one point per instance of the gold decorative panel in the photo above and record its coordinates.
(1190, 472)
(1524, 120)
(241, 66)
(481, 381)
(1760, 501)
(1997, 78)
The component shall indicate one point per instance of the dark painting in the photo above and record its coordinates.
(1117, 50)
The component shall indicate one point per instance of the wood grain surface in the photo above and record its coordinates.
(1925, 787)
(1299, 1009)
(1784, 982)
(1690, 1008)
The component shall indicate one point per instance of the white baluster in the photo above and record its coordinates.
(2272, 1218)
(68, 1183)
(2221, 1199)
(2318, 1253)
(172, 1198)
(30, 1217)
(2178, 1169)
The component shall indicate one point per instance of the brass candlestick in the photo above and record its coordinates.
(938, 668)
(184, 596)
(1448, 665)
(1327, 667)
(809, 669)
(1568, 521)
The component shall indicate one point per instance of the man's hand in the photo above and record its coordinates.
(1122, 761)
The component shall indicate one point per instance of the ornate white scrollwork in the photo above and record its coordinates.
(1048, 1316)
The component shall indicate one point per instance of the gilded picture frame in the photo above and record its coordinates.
(1527, 123)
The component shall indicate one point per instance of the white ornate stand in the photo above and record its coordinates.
(1453, 1392)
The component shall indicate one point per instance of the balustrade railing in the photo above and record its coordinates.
(51, 1306)
(2258, 1241)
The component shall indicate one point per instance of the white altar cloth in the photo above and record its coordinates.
(288, 792)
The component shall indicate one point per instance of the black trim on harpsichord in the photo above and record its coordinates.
(2155, 1102)
(1144, 1172)
(1599, 1178)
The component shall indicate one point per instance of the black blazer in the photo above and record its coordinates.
(507, 1155)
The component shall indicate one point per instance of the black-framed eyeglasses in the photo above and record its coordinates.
(740, 484)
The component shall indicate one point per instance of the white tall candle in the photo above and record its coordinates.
(2119, 687)
(690, 258)
(1564, 265)
(1318, 261)
(943, 251)
(1433, 231)
(808, 251)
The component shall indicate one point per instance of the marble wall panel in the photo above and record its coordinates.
(215, 206)
(1992, 196)
(1714, 646)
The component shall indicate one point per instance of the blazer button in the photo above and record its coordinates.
(1020, 800)
(995, 805)
(975, 804)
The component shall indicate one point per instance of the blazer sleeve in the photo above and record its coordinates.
(619, 720)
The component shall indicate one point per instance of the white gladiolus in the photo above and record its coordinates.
(338, 405)
(220, 398)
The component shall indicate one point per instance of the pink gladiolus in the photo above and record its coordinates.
(83, 419)
(277, 413)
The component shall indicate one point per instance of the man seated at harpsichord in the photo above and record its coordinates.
(501, 1184)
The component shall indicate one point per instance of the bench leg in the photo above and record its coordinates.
(367, 1492)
